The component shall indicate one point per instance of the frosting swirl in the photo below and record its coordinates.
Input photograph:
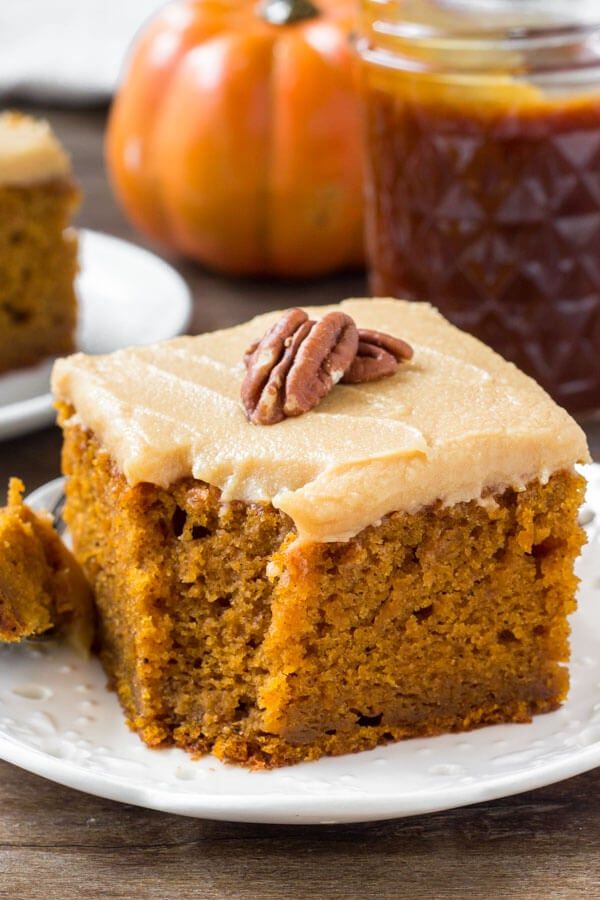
(29, 151)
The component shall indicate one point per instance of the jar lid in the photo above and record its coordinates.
(467, 16)
(517, 37)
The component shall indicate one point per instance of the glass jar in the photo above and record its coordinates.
(483, 174)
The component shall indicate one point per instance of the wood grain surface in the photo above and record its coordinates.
(58, 844)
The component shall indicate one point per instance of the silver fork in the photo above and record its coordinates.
(57, 514)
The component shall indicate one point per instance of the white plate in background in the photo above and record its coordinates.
(58, 720)
(127, 295)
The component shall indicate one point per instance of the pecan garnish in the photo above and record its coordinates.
(378, 356)
(296, 364)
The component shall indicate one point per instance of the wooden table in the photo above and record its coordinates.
(58, 843)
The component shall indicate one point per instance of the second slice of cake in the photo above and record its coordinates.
(398, 561)
(38, 252)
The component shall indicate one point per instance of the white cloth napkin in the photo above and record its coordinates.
(66, 50)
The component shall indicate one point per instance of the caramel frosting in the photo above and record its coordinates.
(454, 424)
(29, 151)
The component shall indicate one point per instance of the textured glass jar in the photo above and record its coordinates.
(483, 174)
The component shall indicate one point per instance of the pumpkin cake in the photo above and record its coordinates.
(42, 587)
(38, 252)
(398, 561)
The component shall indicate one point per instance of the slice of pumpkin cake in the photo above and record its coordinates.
(38, 251)
(321, 531)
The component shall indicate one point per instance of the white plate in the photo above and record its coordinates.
(126, 296)
(58, 720)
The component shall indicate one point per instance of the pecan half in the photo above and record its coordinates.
(296, 364)
(378, 356)
(322, 359)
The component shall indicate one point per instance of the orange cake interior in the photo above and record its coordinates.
(38, 252)
(397, 562)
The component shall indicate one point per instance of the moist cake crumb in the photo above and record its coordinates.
(42, 587)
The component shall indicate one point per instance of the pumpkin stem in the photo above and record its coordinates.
(286, 12)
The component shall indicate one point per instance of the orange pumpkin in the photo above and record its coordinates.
(236, 139)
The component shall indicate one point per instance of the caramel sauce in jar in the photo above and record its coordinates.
(483, 193)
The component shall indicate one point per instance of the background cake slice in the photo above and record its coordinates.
(398, 561)
(38, 253)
